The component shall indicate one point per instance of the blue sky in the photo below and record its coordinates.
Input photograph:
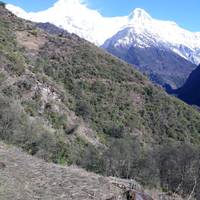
(185, 12)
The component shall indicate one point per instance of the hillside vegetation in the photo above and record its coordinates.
(65, 100)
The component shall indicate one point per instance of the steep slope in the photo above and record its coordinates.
(76, 17)
(190, 91)
(64, 100)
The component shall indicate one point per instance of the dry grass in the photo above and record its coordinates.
(24, 177)
(31, 41)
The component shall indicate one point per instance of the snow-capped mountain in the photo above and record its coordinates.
(144, 31)
(75, 17)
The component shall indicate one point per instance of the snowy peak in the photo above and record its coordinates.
(139, 14)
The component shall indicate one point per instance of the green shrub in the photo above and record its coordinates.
(83, 109)
(2, 77)
(58, 121)
(17, 62)
(34, 32)
(116, 131)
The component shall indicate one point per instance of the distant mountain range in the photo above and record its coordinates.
(164, 51)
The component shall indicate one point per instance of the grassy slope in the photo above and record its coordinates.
(111, 93)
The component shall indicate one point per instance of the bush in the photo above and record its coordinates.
(58, 121)
(83, 109)
(11, 119)
(17, 62)
(34, 32)
(2, 77)
(116, 131)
